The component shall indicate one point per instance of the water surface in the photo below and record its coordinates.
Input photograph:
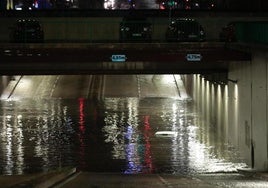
(113, 135)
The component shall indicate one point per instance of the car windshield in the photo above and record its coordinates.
(28, 25)
(135, 19)
(188, 25)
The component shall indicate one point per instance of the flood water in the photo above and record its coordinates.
(113, 135)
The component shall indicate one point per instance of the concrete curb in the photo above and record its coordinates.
(247, 171)
(46, 180)
(254, 173)
(56, 179)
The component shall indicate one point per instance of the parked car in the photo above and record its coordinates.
(135, 29)
(27, 30)
(227, 33)
(185, 30)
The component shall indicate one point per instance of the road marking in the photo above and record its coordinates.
(176, 83)
(89, 86)
(54, 86)
(164, 181)
(11, 93)
(67, 180)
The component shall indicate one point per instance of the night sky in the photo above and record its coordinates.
(226, 5)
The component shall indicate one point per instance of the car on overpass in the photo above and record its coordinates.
(27, 30)
(227, 33)
(185, 30)
(135, 29)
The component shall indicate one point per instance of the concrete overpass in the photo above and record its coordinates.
(118, 58)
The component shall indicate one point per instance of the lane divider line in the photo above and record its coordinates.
(11, 93)
(165, 182)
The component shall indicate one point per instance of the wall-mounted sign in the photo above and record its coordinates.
(118, 58)
(193, 57)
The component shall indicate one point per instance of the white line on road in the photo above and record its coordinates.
(54, 86)
(14, 87)
(164, 181)
(67, 180)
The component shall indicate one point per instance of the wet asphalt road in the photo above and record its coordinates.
(89, 180)
(218, 180)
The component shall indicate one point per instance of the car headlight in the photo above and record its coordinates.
(125, 29)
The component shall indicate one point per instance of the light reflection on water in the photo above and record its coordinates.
(117, 134)
(32, 135)
(185, 153)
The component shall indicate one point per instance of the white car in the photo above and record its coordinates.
(166, 134)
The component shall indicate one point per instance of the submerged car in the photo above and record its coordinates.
(135, 29)
(27, 30)
(185, 30)
(168, 134)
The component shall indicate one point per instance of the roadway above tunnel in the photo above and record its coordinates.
(118, 58)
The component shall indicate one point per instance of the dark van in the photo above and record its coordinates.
(185, 30)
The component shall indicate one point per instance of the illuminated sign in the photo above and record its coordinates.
(193, 57)
(118, 58)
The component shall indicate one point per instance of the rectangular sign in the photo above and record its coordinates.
(193, 57)
(118, 58)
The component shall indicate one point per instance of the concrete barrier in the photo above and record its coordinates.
(41, 180)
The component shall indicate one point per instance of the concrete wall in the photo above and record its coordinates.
(239, 110)
(211, 100)
(250, 120)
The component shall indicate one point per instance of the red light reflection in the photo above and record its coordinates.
(81, 115)
(148, 158)
(81, 134)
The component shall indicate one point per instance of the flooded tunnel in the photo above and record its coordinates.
(143, 124)
(101, 121)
